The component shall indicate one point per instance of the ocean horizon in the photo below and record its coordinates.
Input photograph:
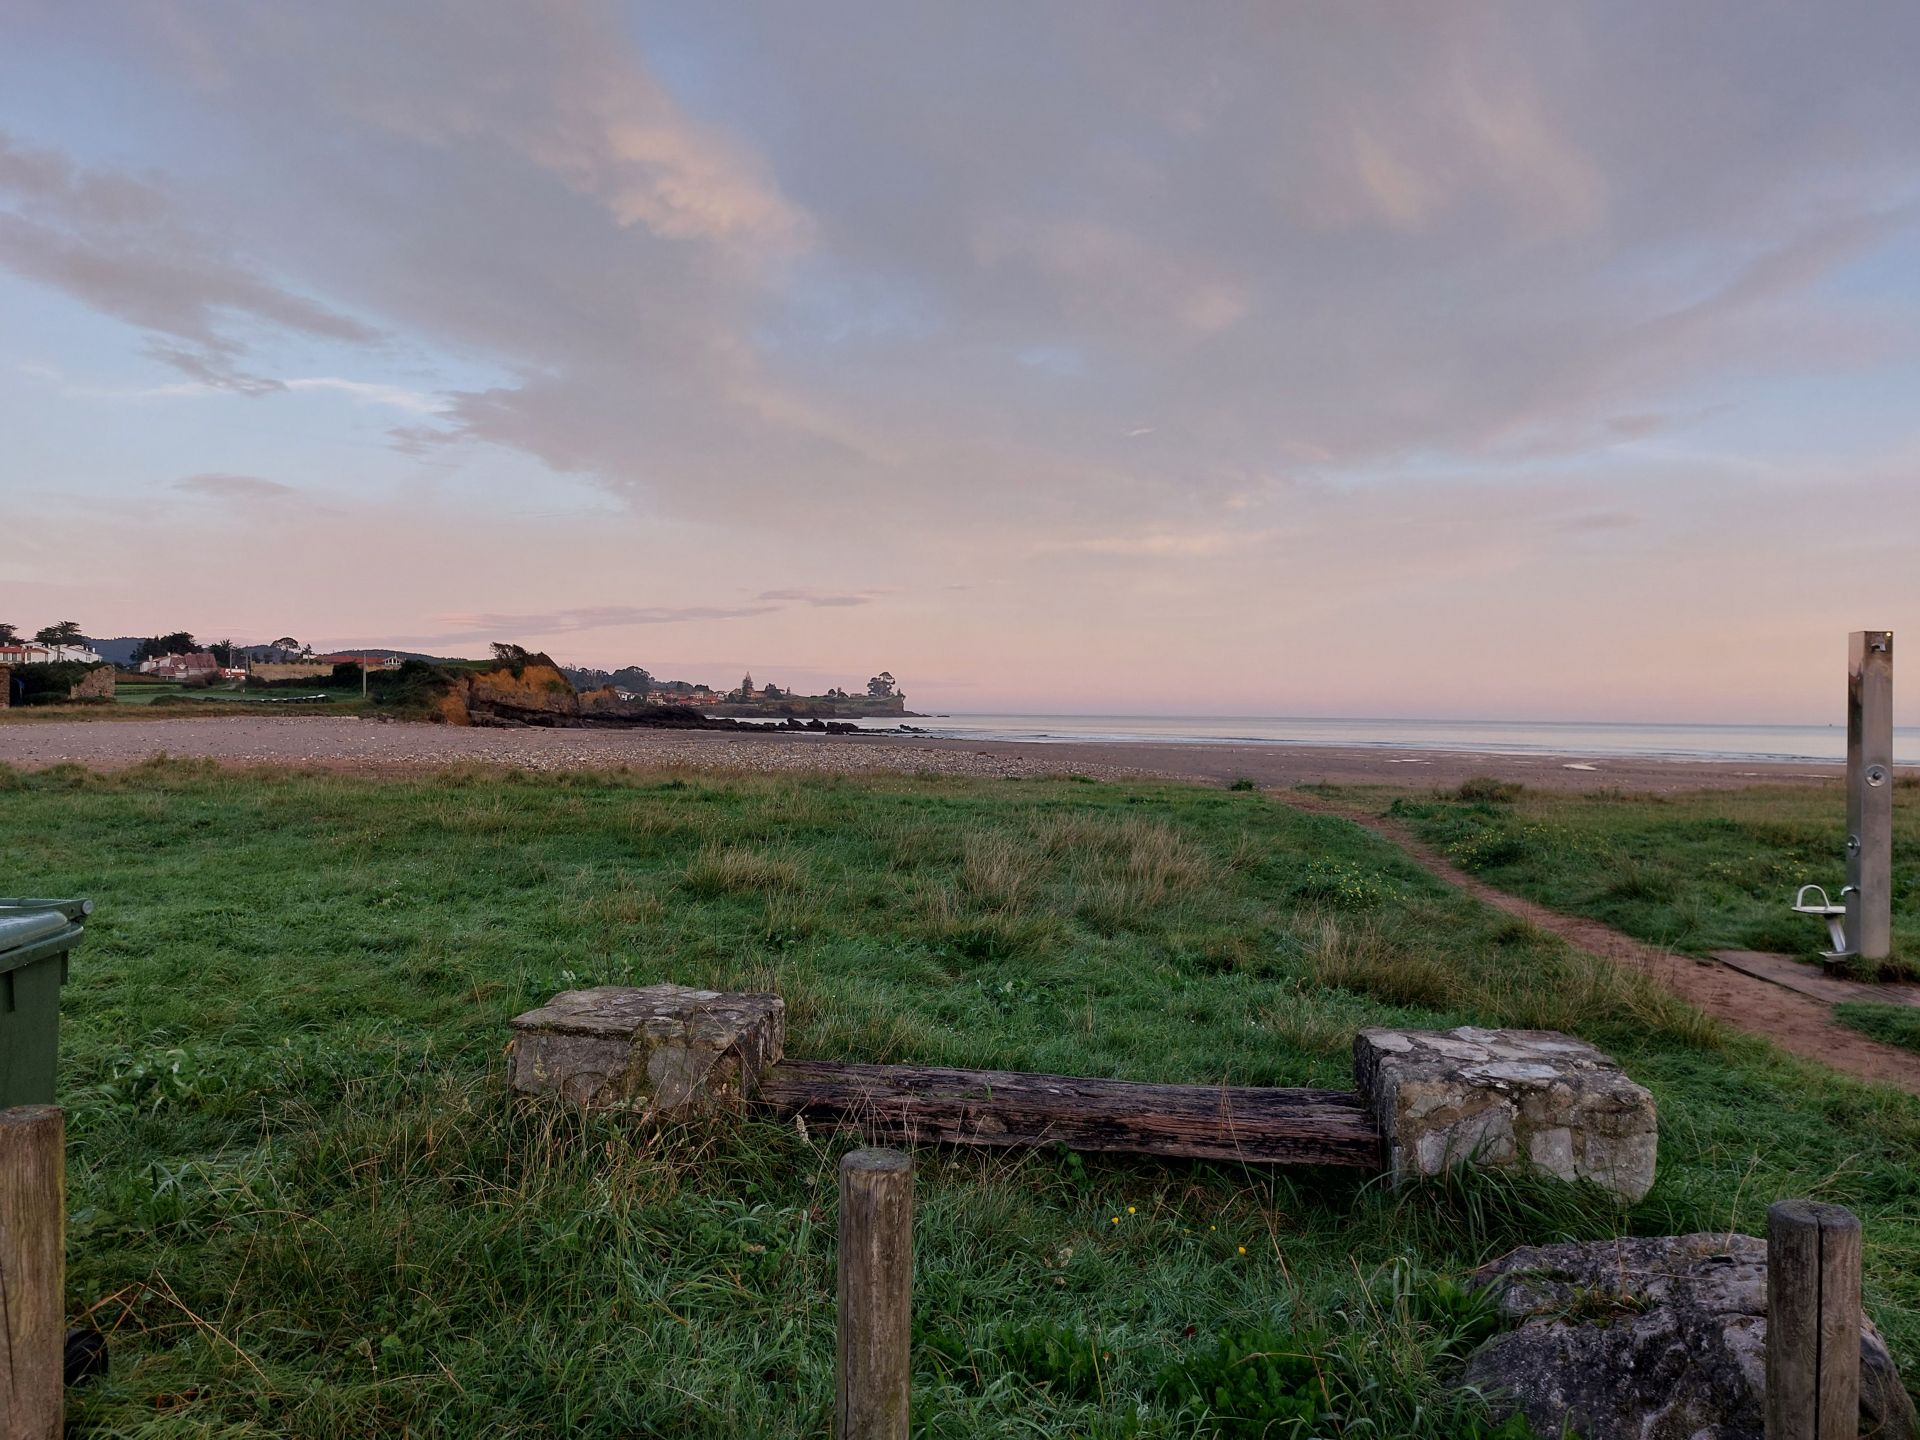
(1615, 739)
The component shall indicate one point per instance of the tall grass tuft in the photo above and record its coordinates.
(722, 870)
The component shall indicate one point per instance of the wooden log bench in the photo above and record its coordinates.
(1423, 1101)
(916, 1103)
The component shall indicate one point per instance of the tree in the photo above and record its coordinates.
(178, 643)
(223, 653)
(67, 632)
(634, 677)
(8, 633)
(880, 687)
(746, 686)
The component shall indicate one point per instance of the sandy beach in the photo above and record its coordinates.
(374, 746)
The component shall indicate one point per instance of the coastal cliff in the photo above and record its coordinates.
(531, 690)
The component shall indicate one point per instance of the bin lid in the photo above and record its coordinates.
(23, 927)
(30, 936)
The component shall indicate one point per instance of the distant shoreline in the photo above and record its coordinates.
(371, 746)
(1676, 742)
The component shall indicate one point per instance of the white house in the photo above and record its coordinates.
(32, 652)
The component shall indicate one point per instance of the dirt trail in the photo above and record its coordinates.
(1796, 1023)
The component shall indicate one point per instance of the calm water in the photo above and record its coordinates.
(1676, 742)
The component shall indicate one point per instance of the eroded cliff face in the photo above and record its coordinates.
(538, 694)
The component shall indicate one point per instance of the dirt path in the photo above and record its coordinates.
(1796, 1023)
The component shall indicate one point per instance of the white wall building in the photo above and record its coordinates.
(32, 652)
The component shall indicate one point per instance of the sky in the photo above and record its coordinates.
(1449, 360)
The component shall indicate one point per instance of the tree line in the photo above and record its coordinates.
(178, 642)
(66, 632)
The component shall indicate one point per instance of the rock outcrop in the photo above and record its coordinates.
(536, 692)
(1658, 1338)
(533, 693)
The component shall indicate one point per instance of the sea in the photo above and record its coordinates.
(1782, 743)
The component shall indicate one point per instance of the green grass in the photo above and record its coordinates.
(1894, 1024)
(1699, 871)
(139, 693)
(169, 701)
(305, 1204)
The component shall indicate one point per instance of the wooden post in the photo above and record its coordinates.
(33, 1281)
(876, 1295)
(1813, 1322)
(1869, 896)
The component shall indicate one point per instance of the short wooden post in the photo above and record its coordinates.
(1813, 1322)
(876, 1295)
(33, 1280)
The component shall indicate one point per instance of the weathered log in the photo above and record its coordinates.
(1005, 1108)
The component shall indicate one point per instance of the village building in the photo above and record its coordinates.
(198, 665)
(365, 662)
(32, 652)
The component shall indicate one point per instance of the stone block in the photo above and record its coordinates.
(666, 1050)
(1530, 1098)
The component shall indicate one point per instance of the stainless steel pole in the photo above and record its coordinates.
(1870, 793)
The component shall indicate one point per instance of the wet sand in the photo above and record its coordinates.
(377, 746)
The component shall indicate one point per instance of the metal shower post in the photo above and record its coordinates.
(1869, 893)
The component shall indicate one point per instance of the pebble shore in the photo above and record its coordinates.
(374, 746)
(356, 744)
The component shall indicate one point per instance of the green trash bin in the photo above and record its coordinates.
(36, 937)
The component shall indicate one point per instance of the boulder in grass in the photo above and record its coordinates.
(1660, 1338)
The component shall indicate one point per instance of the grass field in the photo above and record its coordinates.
(174, 697)
(305, 1204)
(1701, 871)
(138, 693)
(1895, 1024)
(136, 703)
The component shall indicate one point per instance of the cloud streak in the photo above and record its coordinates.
(824, 599)
(471, 625)
(234, 487)
(120, 245)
